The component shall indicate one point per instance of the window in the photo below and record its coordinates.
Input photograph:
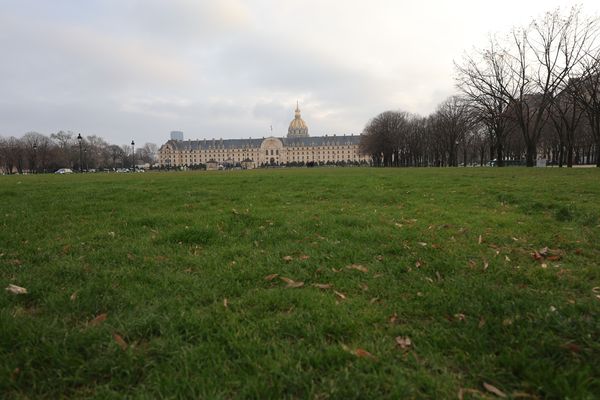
(267, 153)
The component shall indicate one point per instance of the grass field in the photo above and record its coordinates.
(396, 283)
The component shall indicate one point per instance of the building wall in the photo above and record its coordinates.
(270, 150)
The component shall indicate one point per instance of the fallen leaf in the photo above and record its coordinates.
(481, 322)
(374, 300)
(130, 257)
(394, 318)
(292, 283)
(553, 258)
(494, 389)
(362, 353)
(418, 264)
(340, 295)
(485, 265)
(404, 342)
(271, 277)
(98, 319)
(323, 285)
(596, 289)
(234, 211)
(423, 244)
(336, 270)
(225, 303)
(304, 257)
(379, 258)
(460, 317)
(506, 258)
(480, 239)
(536, 255)
(544, 265)
(357, 267)
(120, 341)
(14, 289)
(73, 297)
(543, 252)
(288, 258)
(572, 347)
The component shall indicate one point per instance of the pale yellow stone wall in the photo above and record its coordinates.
(270, 150)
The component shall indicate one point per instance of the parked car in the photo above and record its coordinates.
(64, 171)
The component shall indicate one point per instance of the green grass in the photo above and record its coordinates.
(159, 253)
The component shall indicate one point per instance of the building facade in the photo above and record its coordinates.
(298, 147)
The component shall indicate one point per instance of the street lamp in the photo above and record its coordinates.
(34, 157)
(85, 158)
(133, 155)
(79, 139)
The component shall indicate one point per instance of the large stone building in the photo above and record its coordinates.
(298, 147)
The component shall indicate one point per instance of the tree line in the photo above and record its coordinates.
(531, 93)
(38, 153)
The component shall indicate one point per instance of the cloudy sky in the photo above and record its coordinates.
(137, 69)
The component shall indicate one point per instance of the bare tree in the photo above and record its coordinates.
(586, 90)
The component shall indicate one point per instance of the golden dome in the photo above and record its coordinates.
(297, 127)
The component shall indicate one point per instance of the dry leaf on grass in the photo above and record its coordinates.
(404, 342)
(362, 353)
(485, 265)
(304, 257)
(225, 302)
(271, 277)
(288, 258)
(394, 318)
(99, 319)
(494, 389)
(14, 289)
(422, 244)
(291, 283)
(340, 295)
(73, 297)
(460, 316)
(357, 267)
(480, 239)
(418, 264)
(323, 285)
(120, 341)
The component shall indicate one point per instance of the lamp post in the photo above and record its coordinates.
(85, 158)
(34, 157)
(133, 156)
(79, 139)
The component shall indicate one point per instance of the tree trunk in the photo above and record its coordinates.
(561, 157)
(570, 155)
(499, 155)
(531, 155)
